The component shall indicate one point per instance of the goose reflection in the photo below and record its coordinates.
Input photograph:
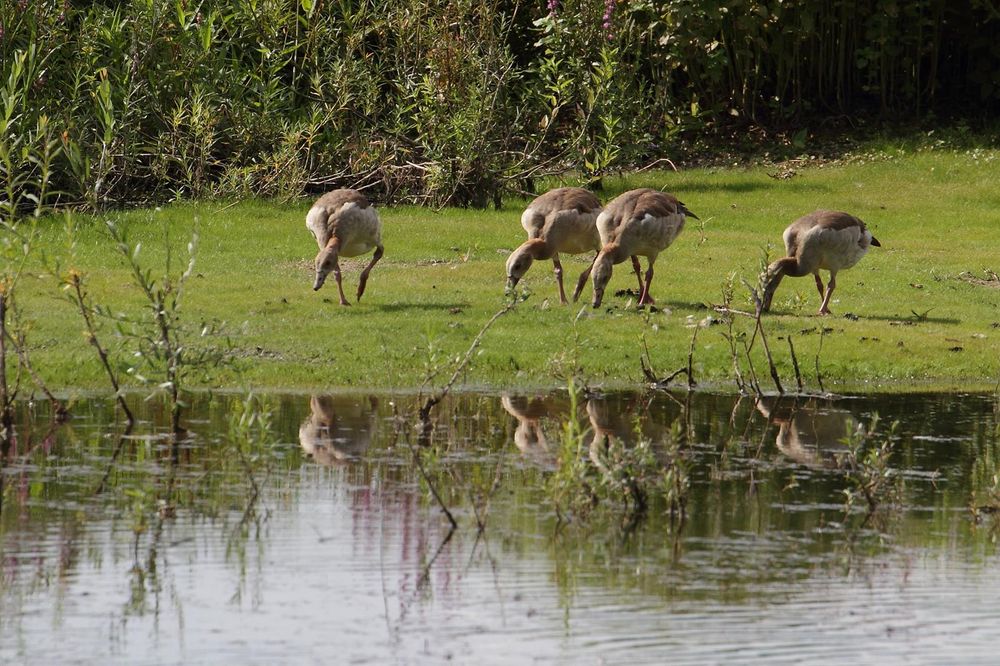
(534, 415)
(620, 422)
(809, 433)
(339, 429)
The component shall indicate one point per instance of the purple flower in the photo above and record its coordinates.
(553, 6)
(609, 12)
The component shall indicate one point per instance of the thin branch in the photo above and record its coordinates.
(398, 421)
(114, 457)
(819, 375)
(795, 364)
(646, 364)
(440, 395)
(76, 281)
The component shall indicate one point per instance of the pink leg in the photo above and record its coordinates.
(559, 273)
(638, 271)
(340, 283)
(583, 279)
(824, 308)
(819, 284)
(364, 274)
(646, 299)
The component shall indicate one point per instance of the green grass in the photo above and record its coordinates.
(442, 277)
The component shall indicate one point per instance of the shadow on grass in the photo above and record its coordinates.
(913, 321)
(424, 307)
(901, 320)
(744, 186)
(621, 298)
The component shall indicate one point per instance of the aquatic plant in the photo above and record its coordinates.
(165, 345)
(73, 281)
(599, 472)
(984, 477)
(867, 470)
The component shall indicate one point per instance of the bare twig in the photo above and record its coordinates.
(754, 381)
(819, 375)
(654, 163)
(398, 428)
(24, 362)
(759, 328)
(440, 395)
(795, 364)
(6, 410)
(647, 366)
(114, 457)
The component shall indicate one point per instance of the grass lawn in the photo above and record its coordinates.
(922, 311)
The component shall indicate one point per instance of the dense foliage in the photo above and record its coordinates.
(446, 101)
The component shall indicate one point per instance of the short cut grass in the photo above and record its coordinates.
(921, 311)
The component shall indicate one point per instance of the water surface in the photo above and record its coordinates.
(312, 536)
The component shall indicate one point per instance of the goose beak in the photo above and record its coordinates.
(320, 279)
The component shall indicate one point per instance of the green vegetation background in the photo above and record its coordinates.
(122, 102)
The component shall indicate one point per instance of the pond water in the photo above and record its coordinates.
(303, 529)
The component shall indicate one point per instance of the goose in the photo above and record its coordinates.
(344, 225)
(823, 239)
(639, 222)
(561, 220)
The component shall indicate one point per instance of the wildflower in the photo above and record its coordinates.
(609, 12)
(553, 6)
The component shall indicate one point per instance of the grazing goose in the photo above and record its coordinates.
(824, 239)
(344, 225)
(639, 222)
(561, 220)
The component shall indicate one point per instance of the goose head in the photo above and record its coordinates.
(518, 263)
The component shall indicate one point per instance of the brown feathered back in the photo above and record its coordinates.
(566, 198)
(337, 198)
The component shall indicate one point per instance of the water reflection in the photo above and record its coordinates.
(624, 419)
(811, 433)
(181, 561)
(535, 415)
(339, 428)
(616, 419)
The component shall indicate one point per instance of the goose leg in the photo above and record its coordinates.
(819, 284)
(340, 285)
(559, 274)
(583, 279)
(646, 299)
(825, 307)
(638, 271)
(363, 280)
